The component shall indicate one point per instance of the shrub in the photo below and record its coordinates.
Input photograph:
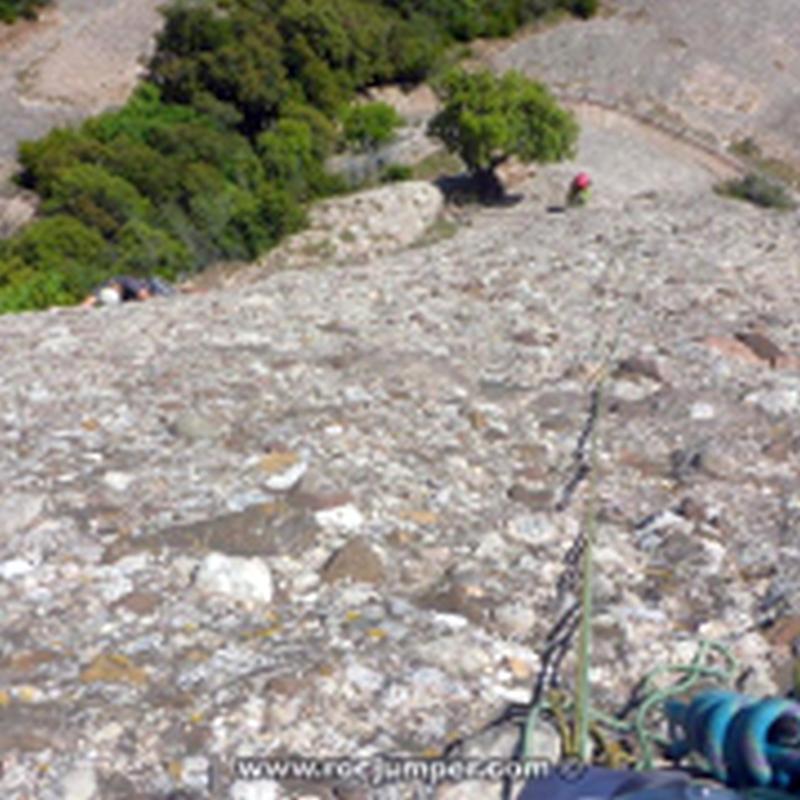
(97, 198)
(287, 155)
(395, 173)
(369, 126)
(11, 10)
(758, 190)
(142, 249)
(51, 262)
(583, 8)
(60, 244)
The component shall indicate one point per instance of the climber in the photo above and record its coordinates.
(578, 193)
(124, 288)
(573, 782)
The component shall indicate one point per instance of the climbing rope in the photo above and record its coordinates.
(631, 739)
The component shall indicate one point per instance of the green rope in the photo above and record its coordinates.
(582, 687)
(644, 728)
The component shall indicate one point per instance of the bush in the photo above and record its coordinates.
(288, 157)
(144, 250)
(758, 190)
(395, 173)
(11, 10)
(53, 261)
(583, 8)
(369, 126)
(97, 198)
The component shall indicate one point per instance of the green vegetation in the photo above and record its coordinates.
(486, 120)
(759, 190)
(217, 154)
(780, 170)
(371, 125)
(583, 8)
(439, 163)
(439, 230)
(12, 10)
(396, 172)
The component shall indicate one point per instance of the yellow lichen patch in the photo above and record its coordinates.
(196, 655)
(477, 420)
(175, 770)
(274, 508)
(519, 669)
(421, 517)
(352, 616)
(377, 633)
(263, 633)
(28, 694)
(29, 660)
(113, 668)
(278, 461)
(196, 717)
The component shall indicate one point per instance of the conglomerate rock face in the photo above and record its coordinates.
(325, 513)
(727, 71)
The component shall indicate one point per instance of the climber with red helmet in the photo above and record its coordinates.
(578, 193)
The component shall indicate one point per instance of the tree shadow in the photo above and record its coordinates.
(482, 189)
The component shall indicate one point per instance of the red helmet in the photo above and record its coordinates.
(581, 181)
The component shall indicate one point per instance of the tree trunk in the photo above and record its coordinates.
(488, 185)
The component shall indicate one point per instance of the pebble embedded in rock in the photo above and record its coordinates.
(777, 402)
(534, 529)
(356, 561)
(195, 427)
(284, 470)
(118, 481)
(346, 518)
(15, 568)
(364, 679)
(79, 784)
(702, 411)
(515, 620)
(247, 580)
(17, 511)
(457, 655)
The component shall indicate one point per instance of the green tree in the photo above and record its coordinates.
(368, 126)
(142, 249)
(287, 153)
(486, 120)
(52, 261)
(97, 198)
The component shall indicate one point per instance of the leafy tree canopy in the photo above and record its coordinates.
(486, 119)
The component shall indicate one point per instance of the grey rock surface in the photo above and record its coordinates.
(435, 398)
